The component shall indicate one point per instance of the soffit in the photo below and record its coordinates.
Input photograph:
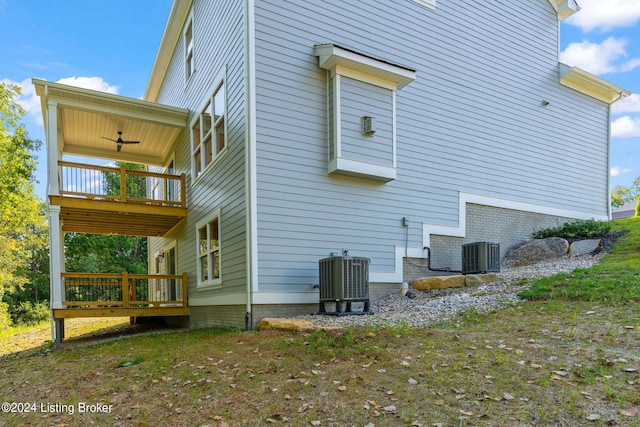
(87, 117)
(590, 84)
(565, 8)
(332, 57)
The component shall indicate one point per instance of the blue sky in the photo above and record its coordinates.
(110, 45)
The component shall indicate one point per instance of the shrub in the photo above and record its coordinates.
(5, 318)
(576, 229)
(29, 313)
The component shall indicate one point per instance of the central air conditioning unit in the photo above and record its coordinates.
(480, 257)
(344, 279)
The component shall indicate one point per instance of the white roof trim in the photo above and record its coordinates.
(170, 37)
(565, 8)
(591, 85)
(331, 57)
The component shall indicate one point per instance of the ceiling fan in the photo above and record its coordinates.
(119, 141)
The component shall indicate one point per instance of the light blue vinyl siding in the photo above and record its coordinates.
(218, 46)
(472, 121)
(359, 99)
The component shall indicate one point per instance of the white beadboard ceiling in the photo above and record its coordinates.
(86, 117)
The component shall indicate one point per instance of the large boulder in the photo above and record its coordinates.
(581, 247)
(536, 250)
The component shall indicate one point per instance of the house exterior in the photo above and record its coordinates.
(384, 128)
(627, 210)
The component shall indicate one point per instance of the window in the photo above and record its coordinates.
(208, 251)
(188, 50)
(208, 132)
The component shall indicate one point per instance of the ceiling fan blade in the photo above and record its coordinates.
(110, 139)
(129, 142)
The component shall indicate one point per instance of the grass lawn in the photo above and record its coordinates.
(568, 357)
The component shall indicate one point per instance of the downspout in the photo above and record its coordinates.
(250, 160)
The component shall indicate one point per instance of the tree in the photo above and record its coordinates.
(621, 195)
(21, 217)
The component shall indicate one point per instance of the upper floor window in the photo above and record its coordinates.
(189, 67)
(208, 137)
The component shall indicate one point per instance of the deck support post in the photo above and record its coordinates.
(59, 332)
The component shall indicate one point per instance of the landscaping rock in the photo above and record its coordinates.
(438, 282)
(536, 250)
(581, 247)
(283, 324)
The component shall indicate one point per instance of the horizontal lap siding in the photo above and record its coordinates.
(218, 45)
(472, 121)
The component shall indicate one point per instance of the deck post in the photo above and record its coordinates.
(123, 183)
(59, 332)
(125, 289)
(185, 289)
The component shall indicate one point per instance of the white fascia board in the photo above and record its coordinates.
(170, 37)
(589, 84)
(565, 8)
(332, 57)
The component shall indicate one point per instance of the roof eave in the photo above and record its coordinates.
(170, 37)
(565, 8)
(590, 84)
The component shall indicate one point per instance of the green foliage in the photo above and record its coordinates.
(621, 195)
(576, 229)
(614, 280)
(29, 313)
(5, 318)
(638, 207)
(22, 217)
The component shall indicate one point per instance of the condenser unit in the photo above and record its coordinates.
(344, 279)
(480, 257)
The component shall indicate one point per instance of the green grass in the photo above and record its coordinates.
(560, 360)
(615, 280)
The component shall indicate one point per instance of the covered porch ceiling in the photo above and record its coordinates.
(86, 118)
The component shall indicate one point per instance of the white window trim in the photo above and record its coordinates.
(202, 285)
(220, 81)
(189, 50)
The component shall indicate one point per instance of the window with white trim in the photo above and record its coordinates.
(208, 131)
(189, 66)
(208, 251)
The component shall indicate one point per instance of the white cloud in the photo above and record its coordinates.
(599, 58)
(94, 83)
(630, 104)
(625, 127)
(31, 102)
(617, 171)
(605, 15)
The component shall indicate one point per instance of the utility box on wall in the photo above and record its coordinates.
(480, 257)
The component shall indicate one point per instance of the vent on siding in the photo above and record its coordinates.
(480, 257)
(344, 279)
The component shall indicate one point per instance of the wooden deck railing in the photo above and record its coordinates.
(121, 185)
(97, 290)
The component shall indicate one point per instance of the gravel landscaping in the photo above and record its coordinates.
(443, 304)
